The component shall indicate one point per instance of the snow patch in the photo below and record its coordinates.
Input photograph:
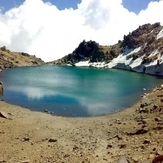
(82, 64)
(155, 61)
(160, 34)
(122, 58)
(91, 64)
(153, 53)
(137, 62)
(98, 64)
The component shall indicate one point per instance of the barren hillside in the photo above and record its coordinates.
(10, 59)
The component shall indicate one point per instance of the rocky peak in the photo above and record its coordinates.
(144, 34)
(146, 37)
(92, 51)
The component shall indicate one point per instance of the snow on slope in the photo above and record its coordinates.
(123, 61)
(160, 34)
(122, 58)
(154, 68)
(82, 64)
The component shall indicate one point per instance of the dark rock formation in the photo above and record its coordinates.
(91, 51)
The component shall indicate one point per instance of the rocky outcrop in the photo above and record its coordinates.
(145, 34)
(91, 51)
(139, 51)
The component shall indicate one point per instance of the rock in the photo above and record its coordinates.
(123, 159)
(66, 155)
(109, 146)
(46, 111)
(116, 136)
(4, 115)
(139, 132)
(135, 159)
(158, 159)
(143, 105)
(143, 110)
(75, 148)
(160, 95)
(25, 161)
(160, 123)
(52, 140)
(1, 88)
(117, 121)
(140, 119)
(151, 156)
(155, 108)
(25, 139)
(158, 128)
(146, 142)
(122, 146)
(158, 119)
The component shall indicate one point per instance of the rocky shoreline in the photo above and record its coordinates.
(135, 133)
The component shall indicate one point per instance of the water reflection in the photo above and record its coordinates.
(34, 93)
(58, 104)
(67, 104)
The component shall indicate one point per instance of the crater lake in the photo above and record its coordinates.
(73, 91)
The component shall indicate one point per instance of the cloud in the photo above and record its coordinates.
(43, 30)
(152, 14)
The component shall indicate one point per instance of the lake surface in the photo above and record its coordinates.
(72, 91)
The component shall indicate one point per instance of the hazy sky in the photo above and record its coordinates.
(51, 29)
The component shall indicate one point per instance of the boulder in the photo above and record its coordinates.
(123, 159)
(4, 115)
(158, 159)
(52, 140)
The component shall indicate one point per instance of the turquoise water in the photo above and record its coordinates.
(74, 92)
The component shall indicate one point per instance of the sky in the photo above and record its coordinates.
(51, 29)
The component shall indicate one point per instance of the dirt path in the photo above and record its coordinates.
(29, 137)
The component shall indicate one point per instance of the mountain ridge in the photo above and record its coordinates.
(10, 59)
(140, 51)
